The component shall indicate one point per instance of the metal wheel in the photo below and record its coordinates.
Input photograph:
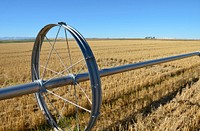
(59, 50)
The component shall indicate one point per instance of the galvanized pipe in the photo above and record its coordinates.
(18, 90)
(124, 68)
(32, 87)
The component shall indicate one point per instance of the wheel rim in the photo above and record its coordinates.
(71, 107)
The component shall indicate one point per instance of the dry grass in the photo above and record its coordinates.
(131, 100)
(181, 113)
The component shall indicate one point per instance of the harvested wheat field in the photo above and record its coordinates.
(159, 97)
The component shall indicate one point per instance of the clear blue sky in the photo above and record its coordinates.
(103, 18)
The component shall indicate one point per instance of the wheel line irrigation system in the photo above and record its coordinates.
(41, 87)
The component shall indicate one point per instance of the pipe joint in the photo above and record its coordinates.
(41, 86)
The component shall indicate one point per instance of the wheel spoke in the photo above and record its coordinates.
(64, 70)
(69, 53)
(60, 116)
(57, 54)
(58, 73)
(69, 101)
(52, 105)
(35, 72)
(81, 69)
(76, 99)
(84, 93)
(63, 107)
(50, 53)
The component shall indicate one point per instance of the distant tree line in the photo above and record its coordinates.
(150, 37)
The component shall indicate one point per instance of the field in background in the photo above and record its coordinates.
(160, 97)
